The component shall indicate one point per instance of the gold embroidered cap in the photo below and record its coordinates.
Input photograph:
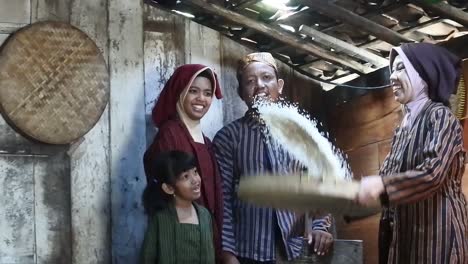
(264, 57)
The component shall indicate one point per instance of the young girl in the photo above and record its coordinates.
(179, 230)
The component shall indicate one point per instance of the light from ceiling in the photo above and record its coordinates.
(287, 27)
(183, 14)
(278, 4)
(249, 40)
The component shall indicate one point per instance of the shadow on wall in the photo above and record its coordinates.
(233, 106)
(128, 143)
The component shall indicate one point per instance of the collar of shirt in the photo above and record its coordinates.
(253, 120)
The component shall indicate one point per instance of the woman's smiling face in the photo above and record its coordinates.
(199, 98)
(401, 85)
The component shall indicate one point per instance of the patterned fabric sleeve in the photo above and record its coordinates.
(223, 145)
(323, 223)
(443, 142)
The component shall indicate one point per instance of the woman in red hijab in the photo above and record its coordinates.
(184, 100)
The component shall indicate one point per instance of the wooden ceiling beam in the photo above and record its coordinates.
(369, 15)
(447, 11)
(340, 46)
(280, 35)
(245, 4)
(349, 17)
(405, 31)
(370, 43)
(316, 79)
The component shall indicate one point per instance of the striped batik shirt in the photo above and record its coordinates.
(249, 231)
(422, 176)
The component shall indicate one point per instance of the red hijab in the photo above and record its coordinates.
(182, 77)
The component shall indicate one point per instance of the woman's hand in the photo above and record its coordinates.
(321, 241)
(370, 190)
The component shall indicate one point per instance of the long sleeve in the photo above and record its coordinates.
(223, 145)
(443, 142)
(322, 224)
(149, 254)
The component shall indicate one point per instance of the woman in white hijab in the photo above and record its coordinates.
(425, 214)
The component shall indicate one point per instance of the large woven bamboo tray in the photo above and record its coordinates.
(54, 84)
(298, 193)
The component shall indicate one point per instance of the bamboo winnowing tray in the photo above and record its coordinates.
(299, 193)
(54, 83)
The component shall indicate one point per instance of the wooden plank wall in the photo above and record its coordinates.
(77, 175)
(203, 45)
(90, 168)
(17, 205)
(363, 129)
(127, 127)
(163, 52)
(52, 209)
(14, 15)
(36, 229)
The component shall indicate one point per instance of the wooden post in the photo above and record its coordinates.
(127, 128)
(89, 172)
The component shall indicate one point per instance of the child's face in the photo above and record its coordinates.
(188, 185)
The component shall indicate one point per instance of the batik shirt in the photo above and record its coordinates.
(424, 202)
(249, 231)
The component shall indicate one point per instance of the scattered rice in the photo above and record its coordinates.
(298, 135)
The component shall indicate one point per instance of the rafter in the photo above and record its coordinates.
(246, 3)
(373, 42)
(300, 14)
(280, 35)
(340, 46)
(447, 11)
(349, 17)
(329, 28)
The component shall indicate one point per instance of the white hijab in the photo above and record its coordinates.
(420, 93)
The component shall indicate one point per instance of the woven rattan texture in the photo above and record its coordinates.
(54, 84)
